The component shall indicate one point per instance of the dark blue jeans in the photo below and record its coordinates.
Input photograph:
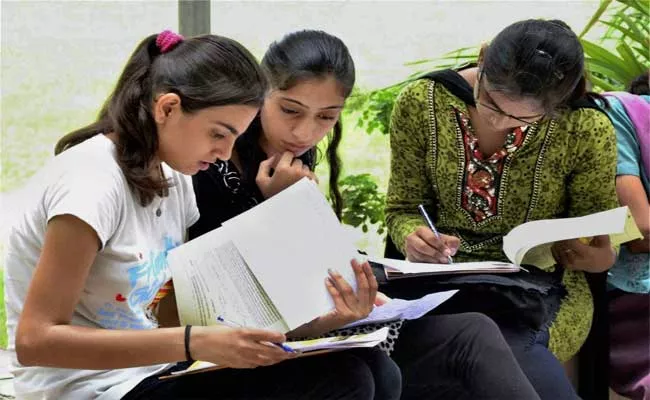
(544, 371)
(363, 374)
(458, 356)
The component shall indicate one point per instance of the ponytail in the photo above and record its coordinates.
(204, 71)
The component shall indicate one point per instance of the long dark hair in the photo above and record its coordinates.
(640, 85)
(297, 57)
(539, 59)
(204, 71)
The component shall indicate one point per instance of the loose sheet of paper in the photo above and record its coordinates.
(211, 279)
(289, 242)
(397, 309)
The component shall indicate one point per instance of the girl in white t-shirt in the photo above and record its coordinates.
(86, 261)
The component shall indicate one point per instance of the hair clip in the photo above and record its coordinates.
(559, 75)
(167, 40)
(543, 53)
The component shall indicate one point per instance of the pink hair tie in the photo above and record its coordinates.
(167, 40)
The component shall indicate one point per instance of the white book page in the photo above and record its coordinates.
(535, 233)
(289, 242)
(211, 280)
(407, 267)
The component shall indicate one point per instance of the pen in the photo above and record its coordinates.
(233, 324)
(429, 222)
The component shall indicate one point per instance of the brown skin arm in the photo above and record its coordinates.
(45, 336)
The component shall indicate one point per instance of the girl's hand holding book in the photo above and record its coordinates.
(595, 256)
(349, 307)
(237, 347)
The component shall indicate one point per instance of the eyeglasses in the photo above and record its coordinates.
(496, 109)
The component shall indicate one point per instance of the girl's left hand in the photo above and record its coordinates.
(280, 171)
(349, 306)
(597, 256)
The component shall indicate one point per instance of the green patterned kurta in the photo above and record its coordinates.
(565, 167)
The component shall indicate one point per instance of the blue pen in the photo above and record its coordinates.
(233, 324)
(429, 222)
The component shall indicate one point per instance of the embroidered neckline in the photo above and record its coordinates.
(482, 176)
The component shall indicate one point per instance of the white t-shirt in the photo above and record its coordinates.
(86, 181)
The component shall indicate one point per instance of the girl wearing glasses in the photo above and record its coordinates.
(511, 139)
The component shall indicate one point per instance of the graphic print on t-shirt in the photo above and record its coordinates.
(131, 310)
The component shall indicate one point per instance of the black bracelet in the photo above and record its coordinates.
(188, 356)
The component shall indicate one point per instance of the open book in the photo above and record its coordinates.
(529, 243)
(266, 267)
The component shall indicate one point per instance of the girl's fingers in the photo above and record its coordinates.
(363, 300)
(419, 251)
(431, 240)
(297, 163)
(285, 160)
(264, 171)
(560, 253)
(372, 284)
(344, 289)
(262, 335)
(339, 303)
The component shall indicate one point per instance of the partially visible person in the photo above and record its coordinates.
(629, 279)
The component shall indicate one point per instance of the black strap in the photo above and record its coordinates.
(453, 82)
(188, 356)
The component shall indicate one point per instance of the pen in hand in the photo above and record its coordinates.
(232, 324)
(429, 222)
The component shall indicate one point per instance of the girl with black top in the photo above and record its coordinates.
(311, 74)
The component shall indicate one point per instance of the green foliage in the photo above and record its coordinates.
(363, 203)
(376, 106)
(453, 59)
(379, 105)
(628, 35)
